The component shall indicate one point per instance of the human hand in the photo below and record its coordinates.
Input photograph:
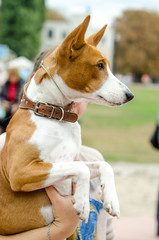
(14, 108)
(65, 216)
(5, 104)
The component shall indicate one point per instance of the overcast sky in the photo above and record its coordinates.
(102, 11)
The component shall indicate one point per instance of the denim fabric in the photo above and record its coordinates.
(87, 231)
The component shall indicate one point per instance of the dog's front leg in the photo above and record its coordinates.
(80, 175)
(104, 171)
(39, 175)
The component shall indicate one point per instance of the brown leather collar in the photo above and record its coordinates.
(48, 110)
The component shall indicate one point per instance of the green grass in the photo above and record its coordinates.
(123, 133)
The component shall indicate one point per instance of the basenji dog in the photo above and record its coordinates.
(43, 138)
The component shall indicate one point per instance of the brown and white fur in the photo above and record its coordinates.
(39, 152)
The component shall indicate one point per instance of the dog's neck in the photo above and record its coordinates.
(46, 91)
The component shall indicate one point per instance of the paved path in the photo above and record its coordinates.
(135, 228)
(137, 187)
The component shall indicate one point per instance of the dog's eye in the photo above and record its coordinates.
(100, 66)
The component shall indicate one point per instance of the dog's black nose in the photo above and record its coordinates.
(129, 96)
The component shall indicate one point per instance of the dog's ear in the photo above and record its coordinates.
(96, 37)
(75, 40)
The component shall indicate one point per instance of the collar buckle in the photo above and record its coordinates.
(37, 108)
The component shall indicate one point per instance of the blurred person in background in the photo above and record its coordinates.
(145, 79)
(9, 97)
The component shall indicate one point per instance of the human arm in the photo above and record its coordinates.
(65, 223)
(36, 234)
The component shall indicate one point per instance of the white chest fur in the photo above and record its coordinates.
(56, 142)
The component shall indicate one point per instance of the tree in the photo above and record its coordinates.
(21, 23)
(137, 43)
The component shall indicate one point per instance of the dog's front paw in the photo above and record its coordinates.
(110, 200)
(82, 208)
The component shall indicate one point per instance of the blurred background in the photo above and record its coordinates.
(122, 135)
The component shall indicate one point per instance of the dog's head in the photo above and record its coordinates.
(83, 73)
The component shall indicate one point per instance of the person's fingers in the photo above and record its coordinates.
(63, 210)
(55, 197)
